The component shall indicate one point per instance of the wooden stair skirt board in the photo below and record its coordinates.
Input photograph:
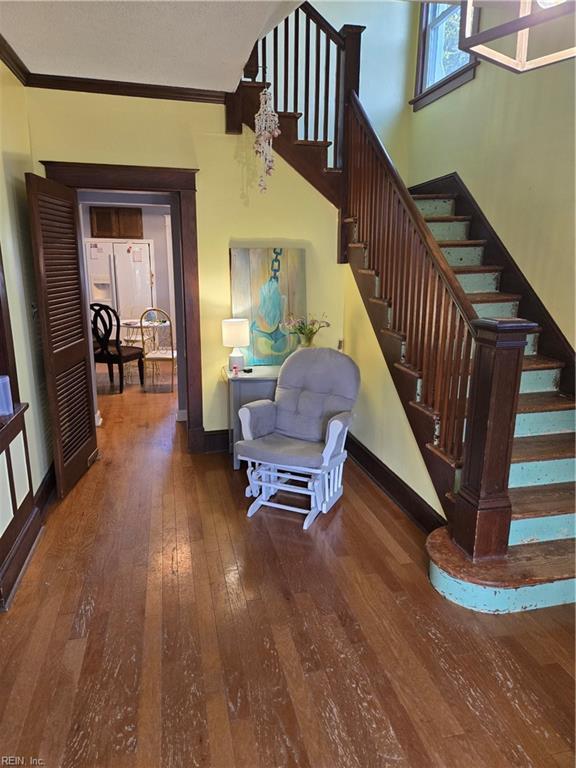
(531, 576)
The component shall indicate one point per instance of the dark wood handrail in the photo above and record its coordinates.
(446, 274)
(425, 305)
(324, 25)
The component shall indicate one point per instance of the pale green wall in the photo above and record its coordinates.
(15, 161)
(386, 72)
(511, 138)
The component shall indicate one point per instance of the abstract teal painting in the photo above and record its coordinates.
(268, 285)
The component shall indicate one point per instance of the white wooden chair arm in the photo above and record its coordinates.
(257, 419)
(336, 431)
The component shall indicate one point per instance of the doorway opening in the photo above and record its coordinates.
(133, 264)
(63, 298)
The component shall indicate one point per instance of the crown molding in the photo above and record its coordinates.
(93, 85)
(14, 63)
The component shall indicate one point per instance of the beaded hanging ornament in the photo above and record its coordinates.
(267, 127)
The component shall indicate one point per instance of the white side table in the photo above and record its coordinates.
(244, 388)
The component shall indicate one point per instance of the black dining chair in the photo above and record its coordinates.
(108, 347)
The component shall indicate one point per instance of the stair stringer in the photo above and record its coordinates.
(442, 474)
(308, 158)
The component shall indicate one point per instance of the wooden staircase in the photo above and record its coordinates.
(489, 395)
(539, 565)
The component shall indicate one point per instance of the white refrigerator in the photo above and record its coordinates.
(121, 273)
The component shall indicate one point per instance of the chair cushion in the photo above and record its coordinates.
(131, 351)
(126, 353)
(314, 385)
(278, 449)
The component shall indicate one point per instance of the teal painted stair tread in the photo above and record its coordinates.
(541, 413)
(542, 472)
(540, 374)
(495, 304)
(549, 528)
(544, 423)
(543, 460)
(435, 206)
(542, 513)
(531, 576)
(463, 254)
(556, 499)
(476, 280)
(448, 228)
(532, 343)
(497, 310)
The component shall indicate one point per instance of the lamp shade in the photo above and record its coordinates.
(235, 332)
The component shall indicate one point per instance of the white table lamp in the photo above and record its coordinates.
(236, 334)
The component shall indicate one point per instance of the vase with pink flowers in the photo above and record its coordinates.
(305, 328)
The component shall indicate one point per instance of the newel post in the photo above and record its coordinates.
(483, 512)
(349, 81)
(352, 34)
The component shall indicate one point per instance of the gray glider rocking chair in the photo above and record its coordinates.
(296, 442)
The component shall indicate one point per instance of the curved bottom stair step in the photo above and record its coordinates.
(530, 576)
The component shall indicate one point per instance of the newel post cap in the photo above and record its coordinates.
(351, 29)
(503, 331)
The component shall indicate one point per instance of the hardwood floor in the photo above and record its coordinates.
(157, 626)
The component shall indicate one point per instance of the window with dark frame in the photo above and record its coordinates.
(442, 66)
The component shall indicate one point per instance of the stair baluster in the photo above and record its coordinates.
(328, 68)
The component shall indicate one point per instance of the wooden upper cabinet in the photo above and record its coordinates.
(116, 222)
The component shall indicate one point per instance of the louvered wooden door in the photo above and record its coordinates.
(63, 318)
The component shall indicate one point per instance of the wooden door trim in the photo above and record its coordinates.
(181, 182)
(7, 356)
(138, 178)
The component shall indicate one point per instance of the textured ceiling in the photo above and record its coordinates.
(171, 42)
